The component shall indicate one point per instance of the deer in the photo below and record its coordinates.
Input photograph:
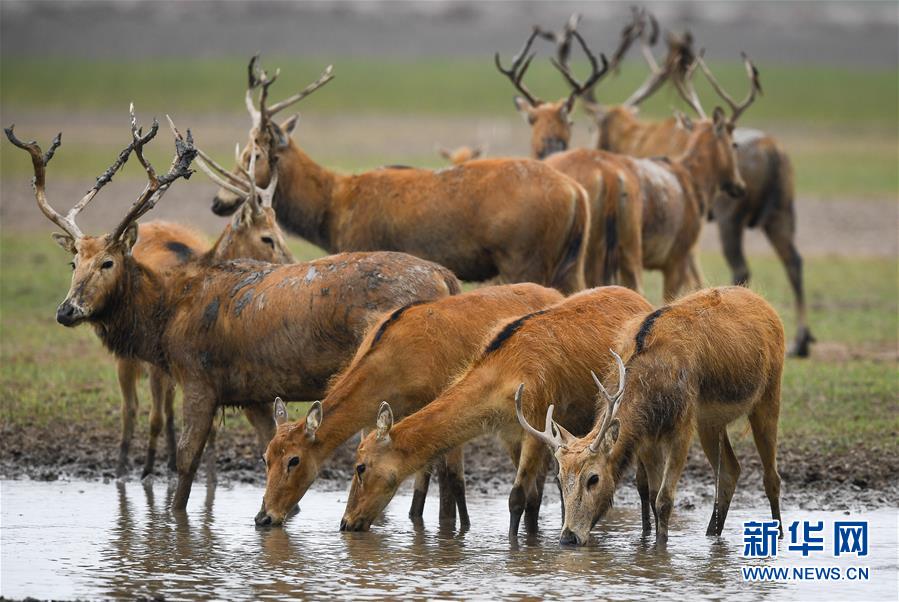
(460, 154)
(699, 364)
(234, 333)
(161, 247)
(547, 350)
(769, 202)
(407, 359)
(512, 218)
(647, 214)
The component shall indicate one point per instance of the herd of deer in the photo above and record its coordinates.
(381, 332)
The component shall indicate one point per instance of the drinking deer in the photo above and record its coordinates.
(547, 350)
(513, 218)
(407, 359)
(699, 363)
(769, 202)
(161, 247)
(233, 333)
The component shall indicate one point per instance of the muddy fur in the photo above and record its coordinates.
(552, 353)
(406, 359)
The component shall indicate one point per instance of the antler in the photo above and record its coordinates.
(258, 198)
(548, 435)
(258, 78)
(39, 161)
(578, 88)
(755, 87)
(520, 64)
(156, 185)
(562, 39)
(683, 83)
(613, 402)
(657, 75)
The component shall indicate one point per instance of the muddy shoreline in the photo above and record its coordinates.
(814, 478)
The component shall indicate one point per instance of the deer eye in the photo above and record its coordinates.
(293, 462)
(106, 264)
(72, 264)
(269, 241)
(262, 459)
(593, 480)
(360, 468)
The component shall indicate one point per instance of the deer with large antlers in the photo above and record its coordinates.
(697, 364)
(646, 213)
(548, 350)
(769, 202)
(512, 218)
(162, 247)
(235, 333)
(406, 359)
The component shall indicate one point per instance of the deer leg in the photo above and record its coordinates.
(198, 412)
(643, 490)
(262, 417)
(128, 373)
(674, 276)
(779, 230)
(158, 383)
(211, 453)
(455, 474)
(653, 464)
(697, 280)
(420, 493)
(526, 491)
(730, 231)
(763, 421)
(447, 511)
(674, 465)
(170, 441)
(717, 448)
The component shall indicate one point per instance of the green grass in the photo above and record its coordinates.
(48, 372)
(795, 95)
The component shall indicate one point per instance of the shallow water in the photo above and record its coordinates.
(94, 540)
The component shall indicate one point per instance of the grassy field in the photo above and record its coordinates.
(838, 124)
(49, 373)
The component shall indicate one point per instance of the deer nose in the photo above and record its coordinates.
(263, 519)
(67, 313)
(568, 538)
(735, 190)
(223, 207)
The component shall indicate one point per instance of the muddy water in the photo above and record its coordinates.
(94, 540)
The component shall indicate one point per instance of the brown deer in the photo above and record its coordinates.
(699, 363)
(513, 218)
(769, 202)
(234, 333)
(460, 154)
(162, 247)
(407, 359)
(548, 350)
(646, 213)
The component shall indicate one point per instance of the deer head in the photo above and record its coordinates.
(461, 154)
(375, 479)
(99, 262)
(586, 474)
(550, 121)
(716, 133)
(290, 463)
(267, 140)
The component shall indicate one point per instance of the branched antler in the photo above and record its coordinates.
(258, 78)
(613, 402)
(755, 87)
(156, 185)
(596, 73)
(549, 434)
(520, 64)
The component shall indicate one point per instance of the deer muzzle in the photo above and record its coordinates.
(69, 313)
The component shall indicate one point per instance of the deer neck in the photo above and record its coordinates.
(303, 201)
(132, 323)
(459, 414)
(619, 130)
(698, 161)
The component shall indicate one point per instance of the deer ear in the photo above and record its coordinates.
(279, 138)
(313, 419)
(243, 217)
(290, 124)
(720, 121)
(384, 422)
(129, 237)
(65, 241)
(280, 412)
(524, 109)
